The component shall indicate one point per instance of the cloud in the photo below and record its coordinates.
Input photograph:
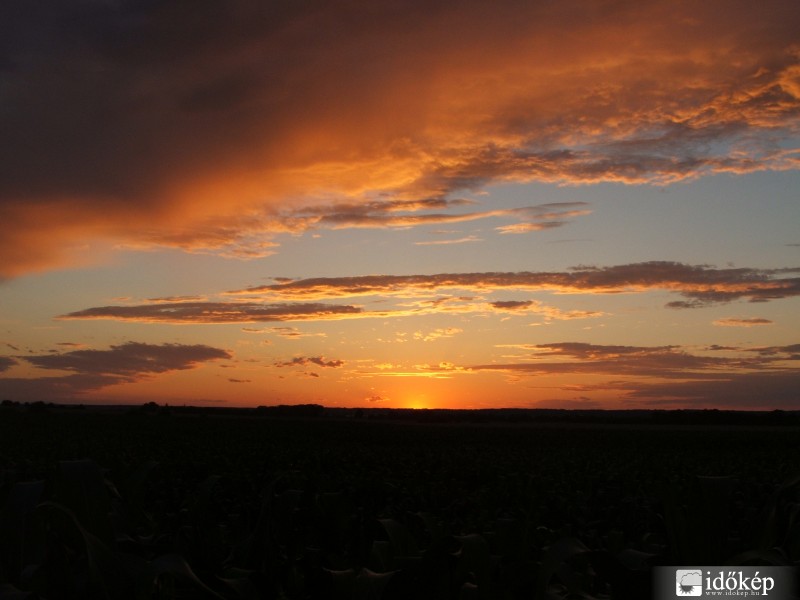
(320, 361)
(740, 322)
(248, 312)
(789, 352)
(216, 312)
(743, 391)
(463, 240)
(6, 363)
(744, 377)
(437, 334)
(649, 361)
(96, 369)
(513, 305)
(290, 333)
(702, 285)
(129, 359)
(577, 357)
(388, 214)
(191, 125)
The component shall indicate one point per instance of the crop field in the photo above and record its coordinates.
(140, 506)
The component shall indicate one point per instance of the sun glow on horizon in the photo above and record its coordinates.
(543, 204)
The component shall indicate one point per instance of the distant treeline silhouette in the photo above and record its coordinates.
(446, 415)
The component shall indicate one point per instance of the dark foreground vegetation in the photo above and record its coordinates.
(306, 503)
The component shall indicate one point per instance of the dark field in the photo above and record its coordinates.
(133, 505)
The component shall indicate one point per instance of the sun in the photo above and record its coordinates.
(417, 401)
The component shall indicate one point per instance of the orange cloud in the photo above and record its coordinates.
(192, 127)
(738, 322)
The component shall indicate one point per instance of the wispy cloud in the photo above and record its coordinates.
(6, 363)
(463, 240)
(437, 334)
(290, 333)
(702, 285)
(266, 108)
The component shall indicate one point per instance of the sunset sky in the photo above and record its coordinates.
(575, 204)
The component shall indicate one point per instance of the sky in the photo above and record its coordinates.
(579, 204)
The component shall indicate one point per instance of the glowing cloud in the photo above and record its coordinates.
(208, 129)
(738, 322)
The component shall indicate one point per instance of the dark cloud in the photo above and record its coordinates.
(97, 369)
(130, 359)
(399, 214)
(743, 391)
(215, 312)
(6, 363)
(790, 352)
(649, 361)
(513, 304)
(320, 361)
(671, 375)
(173, 122)
(704, 285)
